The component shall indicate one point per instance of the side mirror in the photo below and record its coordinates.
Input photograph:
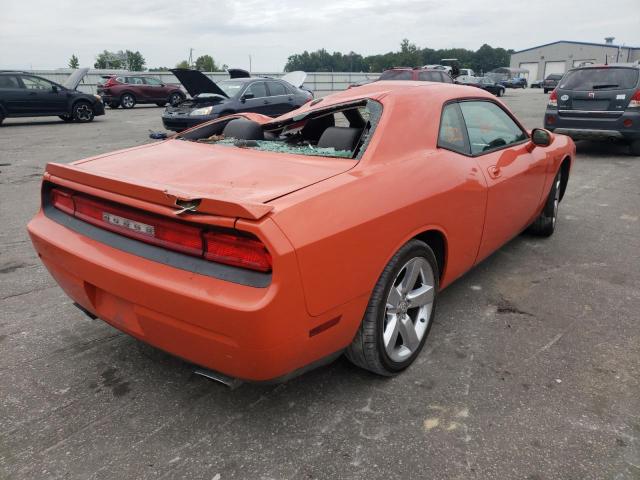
(541, 137)
(247, 96)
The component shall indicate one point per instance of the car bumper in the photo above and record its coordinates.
(107, 99)
(594, 128)
(177, 122)
(256, 334)
(98, 109)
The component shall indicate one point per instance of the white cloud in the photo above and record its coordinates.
(44, 33)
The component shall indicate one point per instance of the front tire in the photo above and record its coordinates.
(545, 224)
(400, 312)
(127, 101)
(82, 112)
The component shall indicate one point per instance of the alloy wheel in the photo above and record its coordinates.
(556, 200)
(84, 113)
(408, 309)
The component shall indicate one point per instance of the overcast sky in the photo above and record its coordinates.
(42, 34)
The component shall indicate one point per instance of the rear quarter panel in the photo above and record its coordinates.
(346, 229)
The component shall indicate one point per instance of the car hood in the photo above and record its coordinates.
(196, 82)
(226, 180)
(296, 78)
(75, 78)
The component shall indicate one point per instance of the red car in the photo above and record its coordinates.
(261, 247)
(127, 90)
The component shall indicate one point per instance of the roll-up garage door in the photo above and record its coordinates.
(554, 67)
(533, 71)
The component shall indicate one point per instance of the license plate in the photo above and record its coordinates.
(129, 224)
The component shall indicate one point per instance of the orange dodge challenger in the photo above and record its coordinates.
(260, 247)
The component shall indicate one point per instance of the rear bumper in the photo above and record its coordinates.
(594, 128)
(256, 334)
(177, 123)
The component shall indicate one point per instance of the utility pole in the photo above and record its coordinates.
(249, 63)
(191, 58)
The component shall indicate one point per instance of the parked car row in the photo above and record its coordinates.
(485, 83)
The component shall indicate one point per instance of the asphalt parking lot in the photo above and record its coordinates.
(531, 371)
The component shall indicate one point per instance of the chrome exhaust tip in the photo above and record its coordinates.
(230, 382)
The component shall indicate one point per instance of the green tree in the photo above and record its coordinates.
(74, 62)
(205, 63)
(107, 59)
(134, 61)
(183, 64)
(128, 60)
(160, 69)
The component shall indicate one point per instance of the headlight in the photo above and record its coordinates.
(98, 97)
(202, 111)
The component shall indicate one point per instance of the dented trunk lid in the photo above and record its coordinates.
(223, 180)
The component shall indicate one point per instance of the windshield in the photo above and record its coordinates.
(231, 87)
(601, 79)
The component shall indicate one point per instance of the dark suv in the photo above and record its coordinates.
(551, 82)
(597, 103)
(23, 94)
(127, 90)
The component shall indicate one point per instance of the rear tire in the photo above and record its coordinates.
(127, 101)
(400, 312)
(545, 224)
(634, 146)
(175, 98)
(82, 112)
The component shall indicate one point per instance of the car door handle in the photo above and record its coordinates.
(494, 171)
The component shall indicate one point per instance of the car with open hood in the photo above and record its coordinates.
(260, 247)
(23, 94)
(240, 93)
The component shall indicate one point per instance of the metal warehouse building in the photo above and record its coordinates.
(560, 56)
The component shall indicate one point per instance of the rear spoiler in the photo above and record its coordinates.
(68, 175)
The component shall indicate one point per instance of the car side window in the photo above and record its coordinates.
(35, 83)
(276, 88)
(489, 127)
(258, 89)
(452, 130)
(445, 78)
(152, 81)
(8, 81)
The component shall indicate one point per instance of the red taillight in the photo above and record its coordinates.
(63, 201)
(227, 248)
(553, 99)
(635, 100)
(235, 250)
(111, 82)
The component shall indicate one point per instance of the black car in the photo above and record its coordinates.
(23, 94)
(241, 93)
(485, 83)
(551, 82)
(597, 103)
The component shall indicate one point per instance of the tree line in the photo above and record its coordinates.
(409, 55)
(484, 59)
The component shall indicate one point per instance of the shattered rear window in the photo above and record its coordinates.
(338, 131)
